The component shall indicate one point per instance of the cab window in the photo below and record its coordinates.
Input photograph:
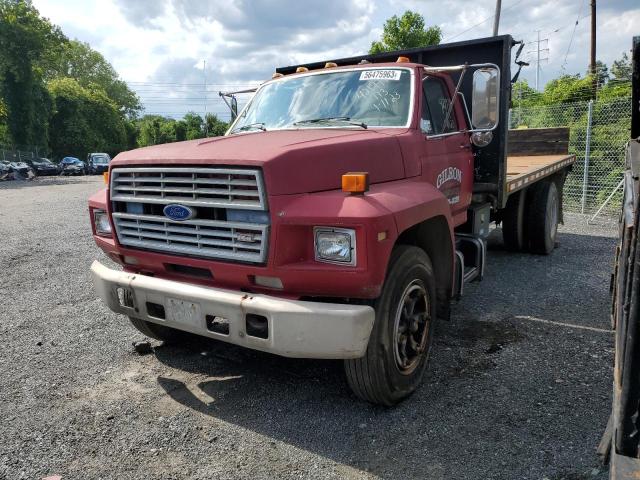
(435, 104)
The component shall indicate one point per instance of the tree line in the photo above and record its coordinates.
(64, 97)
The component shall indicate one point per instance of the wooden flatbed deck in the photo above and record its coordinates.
(523, 170)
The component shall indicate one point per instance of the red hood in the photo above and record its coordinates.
(293, 161)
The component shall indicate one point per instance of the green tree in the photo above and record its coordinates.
(407, 31)
(84, 120)
(28, 43)
(79, 61)
(4, 128)
(215, 126)
(621, 69)
(602, 74)
(194, 126)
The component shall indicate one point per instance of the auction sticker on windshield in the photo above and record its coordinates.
(380, 75)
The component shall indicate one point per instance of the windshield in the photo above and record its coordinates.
(373, 97)
(101, 159)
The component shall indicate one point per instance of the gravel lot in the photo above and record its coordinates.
(519, 384)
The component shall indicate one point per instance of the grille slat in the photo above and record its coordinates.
(209, 189)
(203, 181)
(204, 191)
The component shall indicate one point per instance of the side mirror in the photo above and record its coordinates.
(234, 108)
(485, 98)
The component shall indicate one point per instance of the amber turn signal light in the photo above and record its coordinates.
(105, 177)
(355, 182)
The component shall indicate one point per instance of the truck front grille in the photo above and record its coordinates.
(138, 196)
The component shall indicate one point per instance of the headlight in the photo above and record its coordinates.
(101, 221)
(335, 245)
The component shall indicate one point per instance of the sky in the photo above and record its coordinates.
(160, 46)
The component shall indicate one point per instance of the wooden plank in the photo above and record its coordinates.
(538, 141)
(525, 170)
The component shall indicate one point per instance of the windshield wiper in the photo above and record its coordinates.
(250, 126)
(331, 120)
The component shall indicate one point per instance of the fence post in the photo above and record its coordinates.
(509, 120)
(587, 152)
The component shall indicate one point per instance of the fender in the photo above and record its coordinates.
(412, 202)
(99, 199)
(392, 208)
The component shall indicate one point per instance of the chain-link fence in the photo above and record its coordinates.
(19, 154)
(599, 131)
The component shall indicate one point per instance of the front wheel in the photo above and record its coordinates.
(398, 350)
(153, 330)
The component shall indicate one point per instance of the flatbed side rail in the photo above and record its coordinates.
(535, 153)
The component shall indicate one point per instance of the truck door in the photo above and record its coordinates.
(448, 160)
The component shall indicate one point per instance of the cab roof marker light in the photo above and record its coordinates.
(330, 65)
(403, 60)
(277, 75)
(302, 69)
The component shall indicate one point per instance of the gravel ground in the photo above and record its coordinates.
(518, 388)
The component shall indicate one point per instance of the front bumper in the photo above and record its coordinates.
(295, 328)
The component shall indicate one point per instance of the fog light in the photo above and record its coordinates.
(130, 260)
(335, 245)
(270, 282)
(101, 222)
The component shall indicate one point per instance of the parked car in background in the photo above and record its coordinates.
(72, 166)
(43, 166)
(21, 168)
(6, 172)
(98, 163)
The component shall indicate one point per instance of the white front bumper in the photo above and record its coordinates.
(296, 328)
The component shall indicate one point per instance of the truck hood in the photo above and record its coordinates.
(293, 161)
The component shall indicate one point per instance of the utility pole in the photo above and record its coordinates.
(593, 37)
(592, 66)
(204, 72)
(539, 60)
(496, 18)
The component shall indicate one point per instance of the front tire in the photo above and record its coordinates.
(398, 350)
(153, 330)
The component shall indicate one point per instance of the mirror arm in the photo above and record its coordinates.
(455, 95)
(224, 96)
(466, 110)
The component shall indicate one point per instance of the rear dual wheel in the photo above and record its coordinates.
(530, 219)
(398, 350)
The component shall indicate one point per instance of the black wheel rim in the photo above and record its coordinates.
(411, 327)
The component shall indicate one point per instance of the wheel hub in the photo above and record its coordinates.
(411, 327)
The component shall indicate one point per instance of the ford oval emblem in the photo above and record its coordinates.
(178, 212)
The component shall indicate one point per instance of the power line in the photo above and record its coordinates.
(481, 22)
(564, 63)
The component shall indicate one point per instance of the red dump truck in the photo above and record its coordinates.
(345, 208)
